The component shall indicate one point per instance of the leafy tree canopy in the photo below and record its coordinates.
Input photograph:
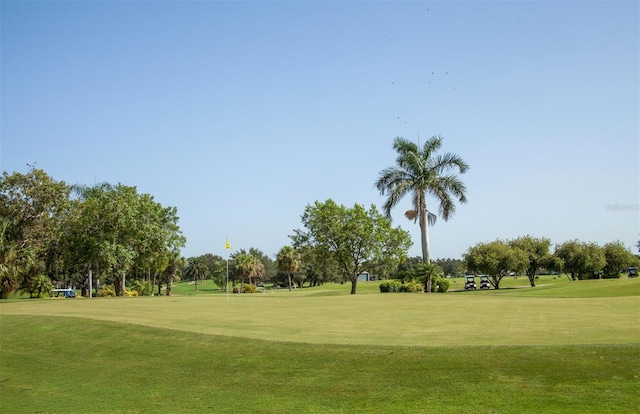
(495, 259)
(538, 254)
(356, 239)
(581, 259)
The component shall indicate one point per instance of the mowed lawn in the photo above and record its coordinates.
(560, 347)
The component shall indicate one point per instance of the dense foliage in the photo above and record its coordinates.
(353, 239)
(532, 256)
(81, 237)
(109, 240)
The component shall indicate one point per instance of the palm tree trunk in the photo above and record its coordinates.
(424, 238)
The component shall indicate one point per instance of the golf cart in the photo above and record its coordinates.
(67, 293)
(470, 283)
(633, 272)
(484, 282)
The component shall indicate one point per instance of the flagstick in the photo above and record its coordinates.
(227, 285)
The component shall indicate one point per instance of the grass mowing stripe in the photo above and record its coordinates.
(73, 365)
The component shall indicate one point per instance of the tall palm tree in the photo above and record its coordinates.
(288, 261)
(421, 171)
(196, 269)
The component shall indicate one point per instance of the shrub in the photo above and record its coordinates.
(411, 287)
(397, 286)
(247, 288)
(142, 288)
(110, 291)
(107, 291)
(390, 286)
(442, 284)
(39, 286)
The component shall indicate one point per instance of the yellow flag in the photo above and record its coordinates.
(226, 244)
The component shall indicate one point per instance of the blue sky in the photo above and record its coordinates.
(242, 113)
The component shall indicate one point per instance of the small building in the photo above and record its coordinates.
(366, 277)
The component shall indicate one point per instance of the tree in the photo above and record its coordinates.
(32, 206)
(15, 262)
(175, 262)
(355, 238)
(246, 265)
(427, 273)
(617, 258)
(405, 270)
(538, 252)
(196, 269)
(450, 266)
(216, 269)
(38, 285)
(270, 267)
(386, 261)
(288, 260)
(495, 259)
(82, 231)
(106, 227)
(315, 267)
(581, 259)
(118, 229)
(422, 171)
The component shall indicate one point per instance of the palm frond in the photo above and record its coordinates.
(431, 218)
(411, 215)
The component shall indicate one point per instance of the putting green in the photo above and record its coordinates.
(372, 319)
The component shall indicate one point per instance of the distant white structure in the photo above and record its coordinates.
(366, 277)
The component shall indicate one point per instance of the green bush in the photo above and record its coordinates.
(391, 285)
(130, 292)
(110, 291)
(411, 287)
(142, 288)
(39, 286)
(247, 288)
(107, 291)
(397, 286)
(442, 284)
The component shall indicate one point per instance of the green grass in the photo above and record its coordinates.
(320, 350)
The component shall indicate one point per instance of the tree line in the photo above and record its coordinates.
(54, 234)
(111, 239)
(107, 233)
(531, 255)
(324, 252)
